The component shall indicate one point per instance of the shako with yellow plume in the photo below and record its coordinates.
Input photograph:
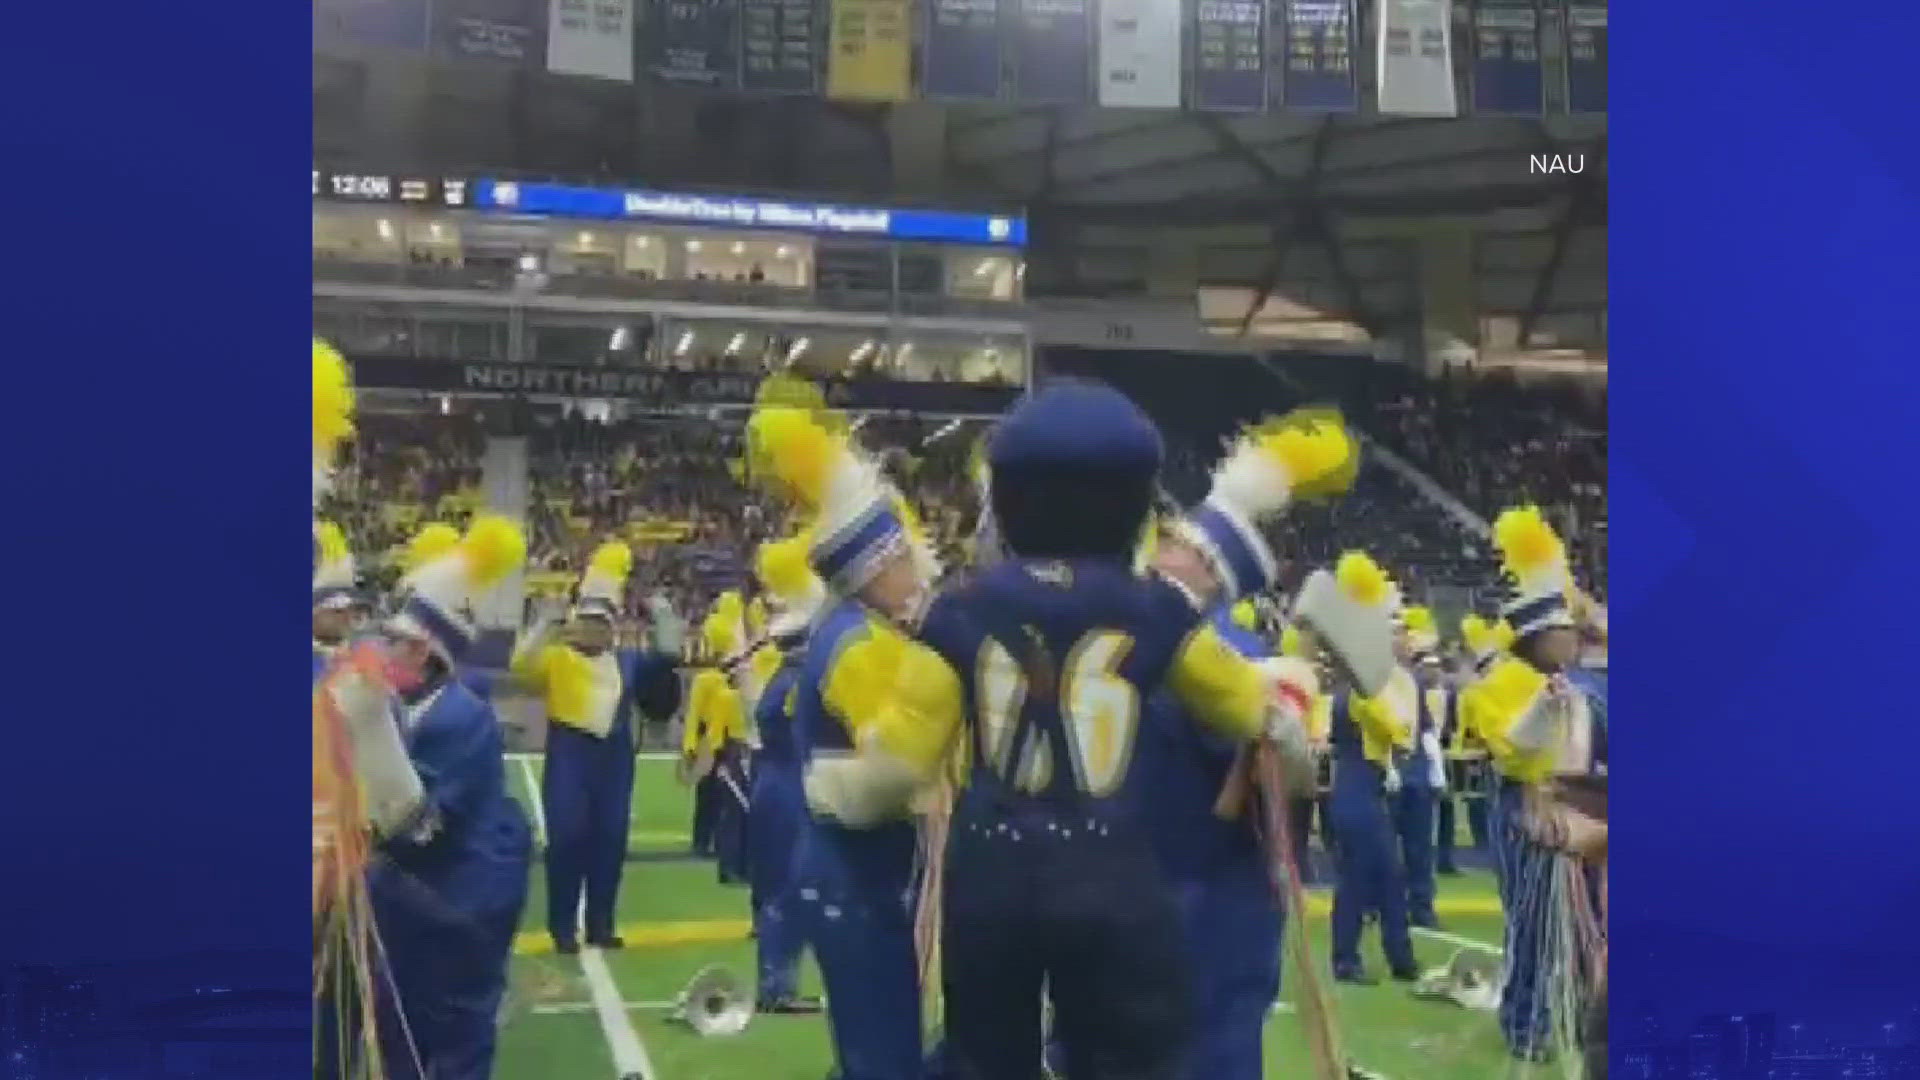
(796, 591)
(440, 594)
(859, 521)
(333, 579)
(1485, 640)
(604, 585)
(1350, 611)
(432, 541)
(1536, 561)
(1423, 634)
(1307, 453)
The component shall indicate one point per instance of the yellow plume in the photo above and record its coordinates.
(719, 636)
(429, 544)
(756, 617)
(1244, 616)
(333, 542)
(1417, 620)
(612, 560)
(794, 449)
(730, 607)
(782, 567)
(1362, 579)
(1527, 543)
(1313, 445)
(1291, 643)
(1483, 637)
(332, 400)
(494, 548)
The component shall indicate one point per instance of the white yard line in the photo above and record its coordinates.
(644, 755)
(630, 1061)
(1463, 942)
(569, 1008)
(525, 761)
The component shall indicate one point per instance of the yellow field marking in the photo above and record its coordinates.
(712, 931)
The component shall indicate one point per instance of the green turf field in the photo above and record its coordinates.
(677, 919)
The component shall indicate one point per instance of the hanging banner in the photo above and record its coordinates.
(780, 46)
(1507, 75)
(695, 41)
(1139, 53)
(1586, 58)
(1053, 52)
(498, 31)
(390, 24)
(1228, 55)
(1313, 42)
(960, 57)
(1416, 58)
(592, 38)
(871, 58)
(666, 389)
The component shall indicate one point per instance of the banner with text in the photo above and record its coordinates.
(1227, 55)
(497, 31)
(1313, 46)
(1052, 54)
(871, 58)
(694, 42)
(592, 38)
(1139, 51)
(1507, 75)
(780, 46)
(1586, 58)
(390, 24)
(1416, 58)
(665, 389)
(960, 53)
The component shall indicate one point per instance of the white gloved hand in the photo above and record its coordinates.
(1436, 761)
(388, 783)
(862, 790)
(1294, 686)
(1393, 778)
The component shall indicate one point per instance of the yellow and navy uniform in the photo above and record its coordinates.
(1365, 734)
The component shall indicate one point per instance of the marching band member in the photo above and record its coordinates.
(1301, 809)
(1542, 731)
(1040, 664)
(778, 806)
(334, 596)
(1465, 751)
(1423, 777)
(454, 848)
(856, 875)
(594, 694)
(1366, 731)
(726, 733)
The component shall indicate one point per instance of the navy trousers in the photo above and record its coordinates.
(706, 805)
(587, 795)
(1232, 926)
(778, 813)
(1369, 881)
(1413, 820)
(855, 888)
(731, 799)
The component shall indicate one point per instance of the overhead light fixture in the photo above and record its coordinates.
(586, 238)
(980, 269)
(739, 339)
(435, 230)
(385, 228)
(619, 339)
(693, 245)
(782, 251)
(860, 352)
(685, 343)
(739, 248)
(642, 241)
(795, 350)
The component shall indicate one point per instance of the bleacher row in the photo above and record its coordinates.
(674, 484)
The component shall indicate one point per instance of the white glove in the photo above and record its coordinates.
(1436, 761)
(1393, 778)
(862, 790)
(390, 787)
(1294, 687)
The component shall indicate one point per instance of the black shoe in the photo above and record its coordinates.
(611, 941)
(1447, 871)
(566, 946)
(797, 1005)
(1354, 976)
(1406, 974)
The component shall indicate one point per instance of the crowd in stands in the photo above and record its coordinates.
(676, 485)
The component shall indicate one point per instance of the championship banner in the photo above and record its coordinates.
(391, 24)
(960, 57)
(1228, 55)
(592, 38)
(1507, 75)
(666, 389)
(693, 41)
(1053, 52)
(1586, 58)
(1416, 58)
(1139, 52)
(499, 31)
(1314, 46)
(872, 54)
(780, 46)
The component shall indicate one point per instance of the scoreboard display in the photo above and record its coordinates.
(450, 192)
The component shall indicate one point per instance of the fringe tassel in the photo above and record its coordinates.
(1313, 1000)
(929, 878)
(1570, 953)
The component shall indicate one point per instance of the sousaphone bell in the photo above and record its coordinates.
(715, 1003)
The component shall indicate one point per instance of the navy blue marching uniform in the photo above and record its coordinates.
(856, 882)
(1413, 816)
(777, 816)
(1369, 876)
(1231, 919)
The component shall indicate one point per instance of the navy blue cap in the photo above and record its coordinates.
(1075, 423)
